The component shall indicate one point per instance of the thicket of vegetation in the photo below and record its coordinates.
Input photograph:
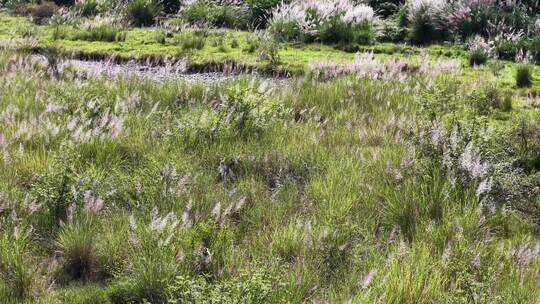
(409, 176)
(508, 28)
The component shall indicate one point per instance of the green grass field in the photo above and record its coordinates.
(406, 183)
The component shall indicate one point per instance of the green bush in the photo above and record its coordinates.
(143, 12)
(491, 97)
(508, 50)
(59, 32)
(480, 18)
(392, 32)
(422, 28)
(253, 44)
(523, 76)
(157, 36)
(229, 16)
(252, 288)
(197, 13)
(365, 35)
(171, 6)
(334, 31)
(477, 57)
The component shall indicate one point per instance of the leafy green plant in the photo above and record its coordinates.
(253, 288)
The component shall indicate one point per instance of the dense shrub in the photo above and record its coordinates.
(386, 8)
(247, 288)
(196, 13)
(523, 76)
(43, 11)
(392, 32)
(334, 31)
(507, 50)
(487, 18)
(424, 19)
(143, 12)
(171, 6)
(491, 97)
(230, 16)
(65, 2)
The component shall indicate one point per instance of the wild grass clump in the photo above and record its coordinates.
(87, 8)
(477, 57)
(158, 36)
(425, 22)
(214, 14)
(523, 76)
(142, 12)
(327, 21)
(190, 41)
(398, 183)
(268, 50)
(107, 33)
(491, 97)
(77, 243)
(16, 266)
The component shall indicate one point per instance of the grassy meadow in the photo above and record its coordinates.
(383, 172)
